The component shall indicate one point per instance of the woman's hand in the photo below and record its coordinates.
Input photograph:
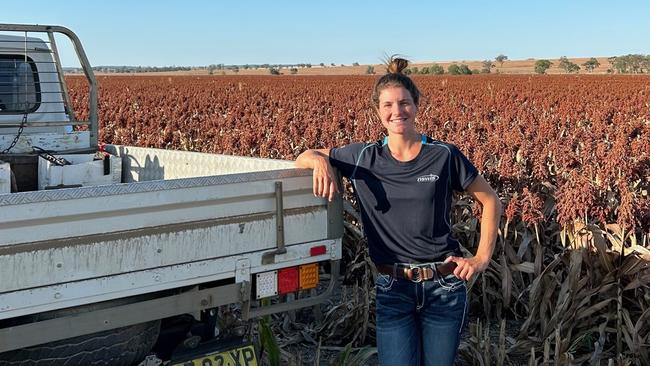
(468, 267)
(325, 180)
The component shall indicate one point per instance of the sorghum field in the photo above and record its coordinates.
(568, 155)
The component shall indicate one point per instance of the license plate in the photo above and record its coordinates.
(241, 356)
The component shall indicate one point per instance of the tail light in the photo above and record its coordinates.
(287, 280)
(267, 284)
(308, 276)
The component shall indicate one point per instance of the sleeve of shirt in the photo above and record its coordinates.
(345, 158)
(463, 171)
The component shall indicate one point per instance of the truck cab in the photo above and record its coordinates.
(29, 85)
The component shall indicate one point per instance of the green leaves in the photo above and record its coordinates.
(269, 342)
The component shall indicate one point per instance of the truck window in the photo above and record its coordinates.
(20, 91)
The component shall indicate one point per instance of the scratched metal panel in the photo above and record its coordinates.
(59, 296)
(38, 221)
(45, 140)
(30, 266)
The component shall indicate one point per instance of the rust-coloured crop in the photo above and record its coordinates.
(581, 141)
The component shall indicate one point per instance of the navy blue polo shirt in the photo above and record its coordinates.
(405, 206)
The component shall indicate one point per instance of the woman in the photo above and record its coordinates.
(404, 186)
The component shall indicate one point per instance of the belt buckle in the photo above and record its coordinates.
(417, 274)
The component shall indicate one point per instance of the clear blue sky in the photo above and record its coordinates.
(193, 32)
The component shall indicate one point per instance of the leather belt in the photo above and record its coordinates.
(417, 272)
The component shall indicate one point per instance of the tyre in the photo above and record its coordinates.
(116, 347)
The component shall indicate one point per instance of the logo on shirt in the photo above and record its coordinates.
(429, 178)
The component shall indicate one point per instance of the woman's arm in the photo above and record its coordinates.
(325, 183)
(482, 192)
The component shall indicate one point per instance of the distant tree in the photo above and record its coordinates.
(247, 66)
(488, 65)
(211, 68)
(568, 66)
(416, 70)
(370, 70)
(274, 71)
(436, 69)
(464, 69)
(542, 65)
(591, 64)
(500, 59)
(407, 71)
(322, 64)
(634, 64)
(235, 69)
(355, 64)
(293, 70)
(333, 64)
(645, 64)
(619, 64)
(453, 69)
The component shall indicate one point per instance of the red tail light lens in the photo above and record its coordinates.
(287, 280)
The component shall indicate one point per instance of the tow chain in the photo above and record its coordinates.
(20, 131)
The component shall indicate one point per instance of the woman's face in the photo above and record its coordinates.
(397, 110)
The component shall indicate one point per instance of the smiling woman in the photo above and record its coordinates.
(397, 112)
(404, 186)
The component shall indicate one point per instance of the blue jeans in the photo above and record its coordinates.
(419, 323)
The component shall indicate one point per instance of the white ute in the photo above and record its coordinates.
(97, 247)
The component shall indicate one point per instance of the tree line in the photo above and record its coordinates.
(630, 64)
(134, 69)
(626, 64)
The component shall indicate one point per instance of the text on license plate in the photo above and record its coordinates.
(242, 356)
